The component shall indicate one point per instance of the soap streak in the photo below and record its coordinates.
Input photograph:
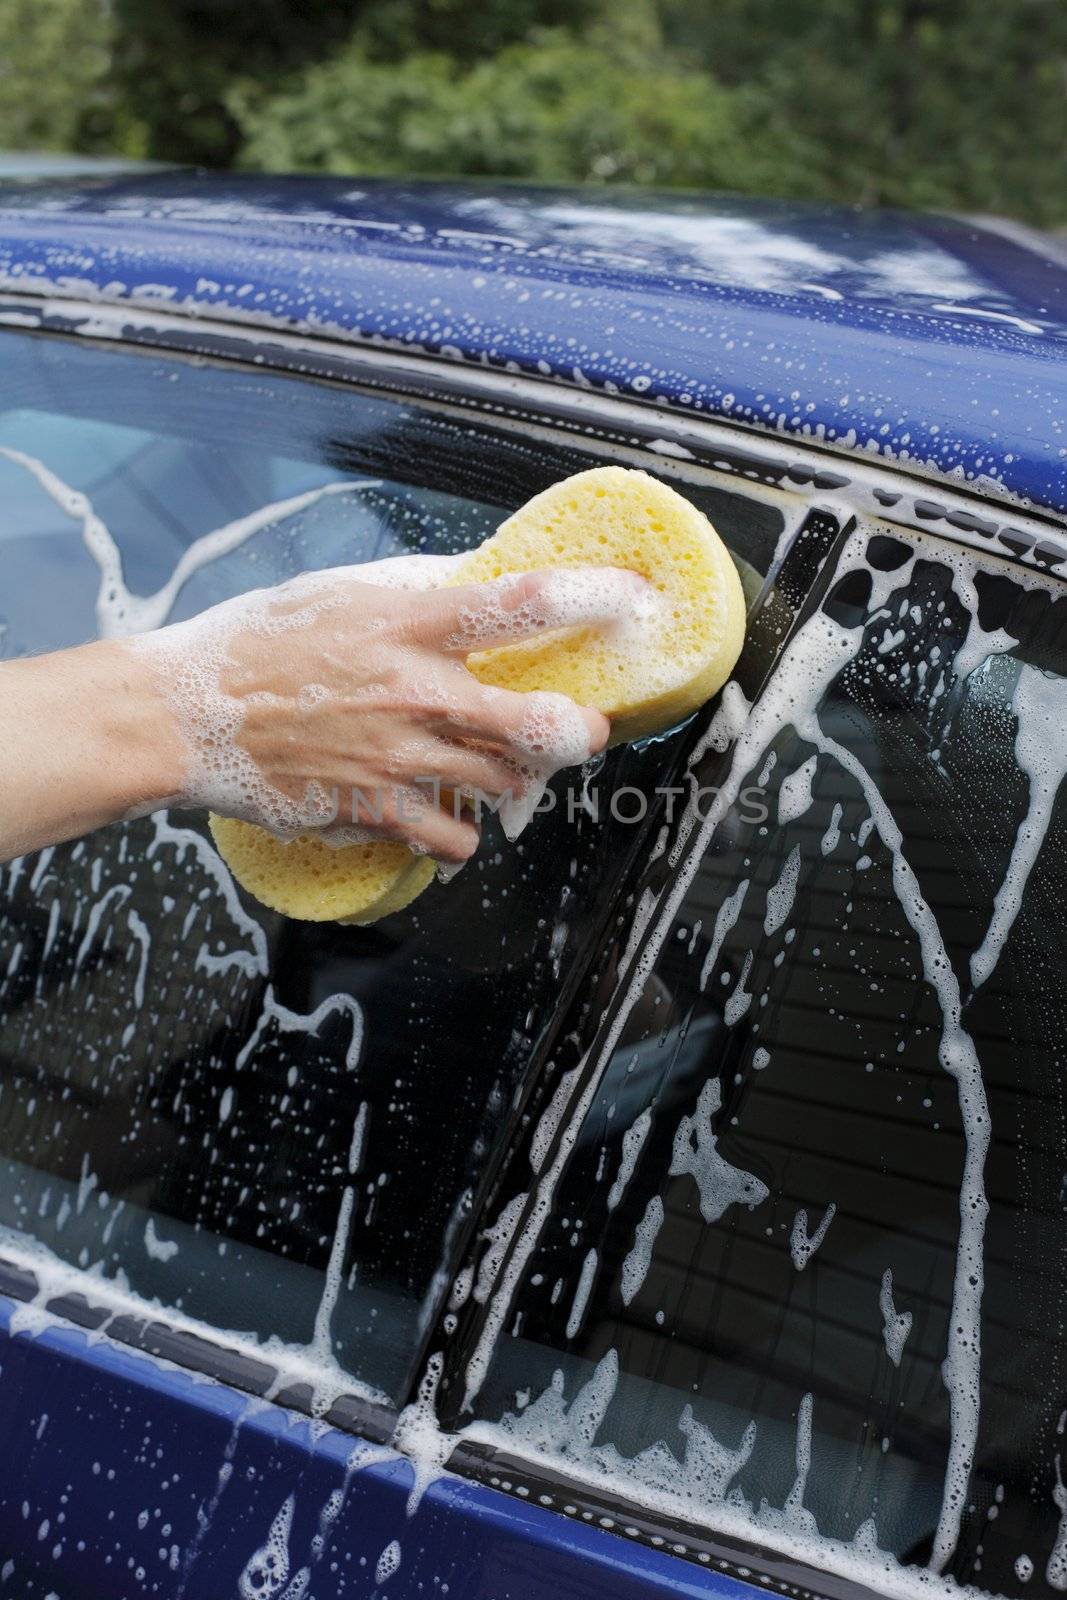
(818, 653)
(120, 613)
(896, 1325)
(1040, 706)
(802, 1244)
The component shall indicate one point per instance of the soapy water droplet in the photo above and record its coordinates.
(388, 1562)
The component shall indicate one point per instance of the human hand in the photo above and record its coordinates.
(344, 705)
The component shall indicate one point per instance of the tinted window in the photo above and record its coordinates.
(181, 1072)
(803, 1274)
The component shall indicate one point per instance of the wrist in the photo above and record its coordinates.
(139, 747)
(85, 739)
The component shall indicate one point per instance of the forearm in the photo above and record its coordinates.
(85, 739)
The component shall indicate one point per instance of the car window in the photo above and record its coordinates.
(182, 1072)
(793, 1268)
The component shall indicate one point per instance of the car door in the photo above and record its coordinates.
(785, 1258)
(215, 1325)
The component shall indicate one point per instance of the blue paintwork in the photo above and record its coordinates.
(119, 1455)
(926, 340)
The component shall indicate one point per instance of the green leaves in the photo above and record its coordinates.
(956, 104)
(553, 109)
(55, 63)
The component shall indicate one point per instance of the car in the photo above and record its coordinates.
(35, 164)
(673, 1203)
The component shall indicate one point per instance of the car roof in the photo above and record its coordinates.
(58, 164)
(936, 342)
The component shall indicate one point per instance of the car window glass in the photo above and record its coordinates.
(802, 1276)
(182, 1072)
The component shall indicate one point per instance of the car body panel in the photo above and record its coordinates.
(128, 1476)
(932, 342)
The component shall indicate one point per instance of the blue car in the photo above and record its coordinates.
(675, 1203)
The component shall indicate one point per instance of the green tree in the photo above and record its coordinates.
(55, 65)
(957, 104)
(950, 103)
(393, 29)
(610, 107)
(177, 60)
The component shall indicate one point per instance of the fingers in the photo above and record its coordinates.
(598, 727)
(416, 572)
(471, 771)
(443, 834)
(479, 616)
(521, 725)
(410, 815)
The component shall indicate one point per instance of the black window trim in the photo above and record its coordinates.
(753, 1563)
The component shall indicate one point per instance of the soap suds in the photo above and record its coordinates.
(609, 598)
(120, 613)
(793, 1516)
(782, 893)
(814, 658)
(388, 1562)
(419, 1438)
(794, 795)
(896, 1325)
(497, 1238)
(636, 1265)
(832, 837)
(1056, 1567)
(725, 919)
(581, 1294)
(632, 1142)
(696, 1153)
(158, 1249)
(552, 734)
(267, 1571)
(1040, 706)
(802, 1244)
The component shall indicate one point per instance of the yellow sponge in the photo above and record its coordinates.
(306, 879)
(609, 516)
(613, 517)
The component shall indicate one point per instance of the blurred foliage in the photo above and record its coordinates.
(547, 109)
(951, 103)
(55, 65)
